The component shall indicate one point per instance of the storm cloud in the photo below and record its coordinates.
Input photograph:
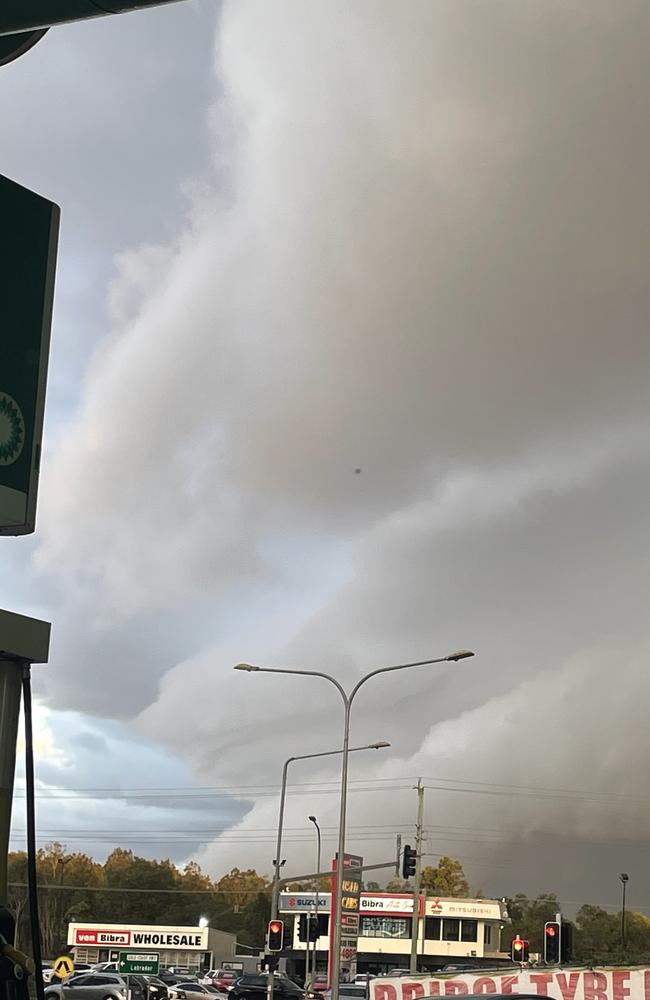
(380, 391)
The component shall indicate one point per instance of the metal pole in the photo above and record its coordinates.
(314, 959)
(623, 941)
(277, 864)
(415, 922)
(335, 915)
(10, 681)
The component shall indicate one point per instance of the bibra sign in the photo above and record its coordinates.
(100, 935)
(387, 904)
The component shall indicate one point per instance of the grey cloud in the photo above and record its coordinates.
(422, 252)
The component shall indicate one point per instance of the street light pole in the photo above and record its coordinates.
(277, 864)
(347, 705)
(625, 878)
(312, 819)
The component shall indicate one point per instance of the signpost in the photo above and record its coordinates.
(133, 962)
(63, 967)
(351, 893)
(28, 242)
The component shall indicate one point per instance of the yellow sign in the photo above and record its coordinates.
(63, 966)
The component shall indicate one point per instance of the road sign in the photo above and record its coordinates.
(136, 962)
(63, 966)
(28, 241)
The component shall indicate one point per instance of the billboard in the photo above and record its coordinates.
(28, 242)
(562, 984)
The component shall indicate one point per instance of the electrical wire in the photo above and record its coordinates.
(32, 883)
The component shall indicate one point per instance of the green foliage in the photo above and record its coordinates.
(399, 885)
(528, 917)
(446, 879)
(239, 902)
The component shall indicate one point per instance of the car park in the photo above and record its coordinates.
(252, 986)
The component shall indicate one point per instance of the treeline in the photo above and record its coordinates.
(238, 902)
(130, 889)
(597, 934)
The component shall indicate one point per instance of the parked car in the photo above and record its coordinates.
(252, 986)
(172, 988)
(95, 986)
(355, 991)
(151, 989)
(157, 989)
(317, 986)
(224, 979)
(188, 990)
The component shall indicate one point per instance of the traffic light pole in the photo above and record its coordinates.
(415, 922)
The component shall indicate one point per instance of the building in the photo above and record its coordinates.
(185, 948)
(458, 931)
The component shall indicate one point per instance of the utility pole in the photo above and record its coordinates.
(415, 923)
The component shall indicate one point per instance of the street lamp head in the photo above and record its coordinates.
(203, 922)
(245, 666)
(460, 654)
(312, 819)
(378, 746)
(624, 877)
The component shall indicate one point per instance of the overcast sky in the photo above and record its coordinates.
(349, 367)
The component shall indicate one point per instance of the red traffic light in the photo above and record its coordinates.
(517, 945)
(275, 935)
(551, 930)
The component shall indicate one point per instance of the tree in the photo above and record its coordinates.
(528, 916)
(17, 897)
(237, 888)
(399, 885)
(447, 879)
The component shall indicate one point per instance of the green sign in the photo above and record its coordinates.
(28, 241)
(135, 962)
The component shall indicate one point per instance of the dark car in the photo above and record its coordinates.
(252, 986)
(151, 987)
(355, 991)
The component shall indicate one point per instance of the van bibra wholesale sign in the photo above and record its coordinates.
(138, 936)
(561, 984)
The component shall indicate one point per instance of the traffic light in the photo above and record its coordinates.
(408, 862)
(566, 937)
(552, 940)
(275, 935)
(519, 950)
(308, 927)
